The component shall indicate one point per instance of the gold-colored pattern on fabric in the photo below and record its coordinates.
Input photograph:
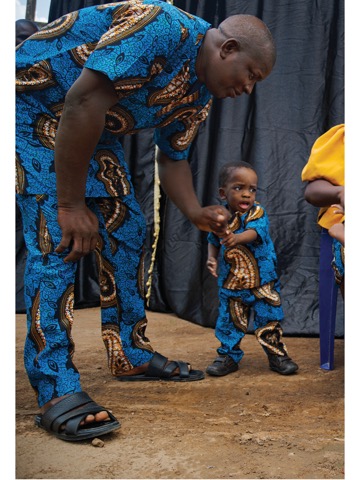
(45, 129)
(118, 121)
(181, 140)
(56, 28)
(39, 197)
(244, 272)
(235, 222)
(112, 174)
(174, 92)
(36, 334)
(255, 213)
(113, 211)
(57, 109)
(127, 20)
(267, 293)
(199, 38)
(118, 363)
(19, 176)
(36, 77)
(43, 236)
(107, 283)
(114, 4)
(138, 336)
(239, 313)
(156, 221)
(67, 315)
(270, 337)
(125, 87)
(184, 33)
(81, 53)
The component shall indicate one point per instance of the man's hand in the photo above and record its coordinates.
(211, 219)
(80, 232)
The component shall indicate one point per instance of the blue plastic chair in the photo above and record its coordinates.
(328, 292)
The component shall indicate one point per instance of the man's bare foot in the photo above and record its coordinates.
(98, 417)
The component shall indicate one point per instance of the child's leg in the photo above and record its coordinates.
(231, 326)
(268, 314)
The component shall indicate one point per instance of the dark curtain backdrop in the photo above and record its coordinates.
(273, 129)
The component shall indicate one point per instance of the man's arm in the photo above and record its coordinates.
(322, 193)
(80, 128)
(177, 182)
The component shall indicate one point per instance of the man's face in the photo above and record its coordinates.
(234, 74)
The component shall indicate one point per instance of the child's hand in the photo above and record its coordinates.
(338, 208)
(212, 266)
(337, 231)
(229, 240)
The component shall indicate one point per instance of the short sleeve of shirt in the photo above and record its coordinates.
(134, 38)
(259, 222)
(213, 239)
(175, 139)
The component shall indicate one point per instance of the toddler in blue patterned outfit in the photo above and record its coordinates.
(244, 261)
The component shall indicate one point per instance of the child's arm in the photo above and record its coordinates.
(212, 262)
(233, 239)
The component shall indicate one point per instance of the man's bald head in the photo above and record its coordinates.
(253, 35)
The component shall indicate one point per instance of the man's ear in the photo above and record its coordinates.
(231, 45)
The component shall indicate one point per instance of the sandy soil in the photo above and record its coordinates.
(253, 423)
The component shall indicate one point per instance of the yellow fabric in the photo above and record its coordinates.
(327, 161)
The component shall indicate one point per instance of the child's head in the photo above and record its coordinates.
(238, 185)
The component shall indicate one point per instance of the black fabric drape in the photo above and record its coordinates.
(273, 129)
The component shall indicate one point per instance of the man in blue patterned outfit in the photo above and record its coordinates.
(82, 81)
(247, 276)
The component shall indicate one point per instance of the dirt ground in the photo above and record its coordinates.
(253, 423)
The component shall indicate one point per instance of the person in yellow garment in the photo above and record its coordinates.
(325, 174)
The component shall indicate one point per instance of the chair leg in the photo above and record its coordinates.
(328, 292)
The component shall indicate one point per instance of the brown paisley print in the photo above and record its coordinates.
(270, 337)
(56, 28)
(267, 293)
(67, 314)
(138, 336)
(36, 333)
(118, 363)
(112, 174)
(239, 313)
(244, 273)
(36, 77)
(129, 18)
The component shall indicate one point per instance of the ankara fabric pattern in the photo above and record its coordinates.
(274, 129)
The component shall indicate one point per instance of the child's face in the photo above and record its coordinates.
(240, 189)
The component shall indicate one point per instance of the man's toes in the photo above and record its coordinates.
(102, 417)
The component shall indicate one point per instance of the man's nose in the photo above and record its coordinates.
(249, 88)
